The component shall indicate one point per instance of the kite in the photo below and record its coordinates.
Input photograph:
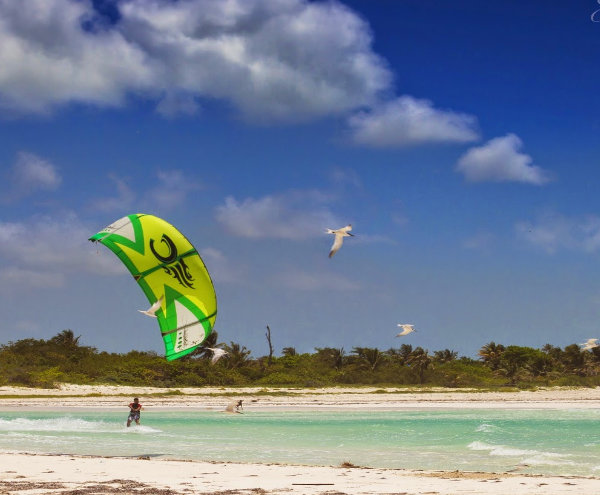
(171, 273)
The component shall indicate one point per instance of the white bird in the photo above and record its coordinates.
(339, 238)
(217, 354)
(152, 309)
(406, 329)
(589, 344)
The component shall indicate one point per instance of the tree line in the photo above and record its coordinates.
(62, 359)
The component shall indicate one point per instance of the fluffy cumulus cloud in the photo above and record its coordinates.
(499, 160)
(407, 121)
(294, 216)
(41, 251)
(553, 232)
(289, 59)
(48, 58)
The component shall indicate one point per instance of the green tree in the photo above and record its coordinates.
(490, 354)
(65, 339)
(369, 356)
(331, 357)
(237, 355)
(444, 356)
(419, 360)
(572, 359)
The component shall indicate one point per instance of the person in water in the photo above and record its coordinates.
(134, 412)
(235, 407)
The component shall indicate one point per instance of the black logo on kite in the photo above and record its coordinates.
(173, 266)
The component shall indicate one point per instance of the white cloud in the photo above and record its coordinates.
(311, 281)
(499, 160)
(43, 250)
(48, 59)
(296, 215)
(553, 232)
(288, 60)
(29, 174)
(172, 190)
(32, 172)
(407, 121)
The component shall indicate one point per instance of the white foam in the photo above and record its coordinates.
(65, 425)
(533, 457)
(486, 428)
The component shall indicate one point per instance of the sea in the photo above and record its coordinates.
(557, 442)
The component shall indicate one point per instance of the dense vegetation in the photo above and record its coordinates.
(44, 363)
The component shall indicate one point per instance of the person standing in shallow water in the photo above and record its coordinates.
(134, 412)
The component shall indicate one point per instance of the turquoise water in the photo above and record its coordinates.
(548, 441)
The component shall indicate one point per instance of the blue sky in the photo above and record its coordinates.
(459, 138)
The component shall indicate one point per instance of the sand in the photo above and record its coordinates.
(23, 473)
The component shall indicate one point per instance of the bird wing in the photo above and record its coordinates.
(337, 244)
(217, 354)
(406, 329)
(347, 228)
(156, 306)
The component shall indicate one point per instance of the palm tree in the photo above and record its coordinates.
(66, 339)
(236, 355)
(419, 360)
(335, 358)
(490, 354)
(444, 356)
(369, 356)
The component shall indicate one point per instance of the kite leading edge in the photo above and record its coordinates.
(166, 265)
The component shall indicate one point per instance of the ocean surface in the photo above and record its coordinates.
(565, 442)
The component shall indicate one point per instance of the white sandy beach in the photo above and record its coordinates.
(259, 398)
(67, 474)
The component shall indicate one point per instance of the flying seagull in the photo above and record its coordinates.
(589, 344)
(152, 309)
(339, 238)
(217, 354)
(406, 329)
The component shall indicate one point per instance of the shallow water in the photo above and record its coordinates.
(547, 441)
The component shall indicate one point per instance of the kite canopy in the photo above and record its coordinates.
(165, 264)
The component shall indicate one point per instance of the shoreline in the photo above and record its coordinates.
(54, 474)
(68, 396)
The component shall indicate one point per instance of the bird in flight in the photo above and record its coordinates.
(339, 238)
(406, 329)
(589, 344)
(217, 354)
(152, 309)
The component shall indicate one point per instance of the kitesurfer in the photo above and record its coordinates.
(235, 407)
(134, 412)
